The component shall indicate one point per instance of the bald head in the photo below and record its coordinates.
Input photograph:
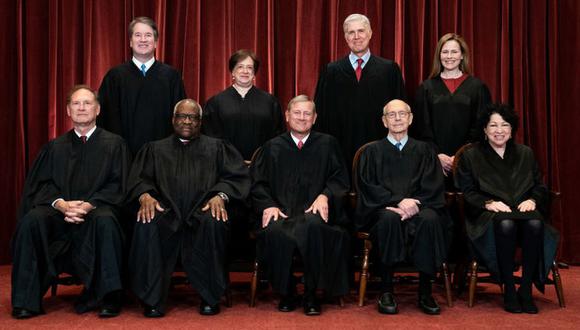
(397, 117)
(396, 104)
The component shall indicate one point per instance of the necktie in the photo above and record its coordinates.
(300, 144)
(399, 146)
(358, 70)
(84, 138)
(143, 71)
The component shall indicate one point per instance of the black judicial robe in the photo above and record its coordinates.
(246, 122)
(482, 175)
(183, 178)
(139, 108)
(44, 245)
(288, 178)
(351, 110)
(449, 120)
(385, 176)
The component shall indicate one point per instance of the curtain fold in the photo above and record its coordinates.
(525, 51)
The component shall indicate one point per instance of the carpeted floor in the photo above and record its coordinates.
(183, 314)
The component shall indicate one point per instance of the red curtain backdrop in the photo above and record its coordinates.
(526, 51)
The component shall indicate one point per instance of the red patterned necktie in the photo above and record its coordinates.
(300, 144)
(84, 138)
(358, 70)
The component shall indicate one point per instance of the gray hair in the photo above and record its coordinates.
(357, 17)
(407, 107)
(301, 98)
(190, 102)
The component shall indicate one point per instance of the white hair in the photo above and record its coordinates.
(356, 17)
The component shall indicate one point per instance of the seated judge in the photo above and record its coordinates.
(401, 203)
(183, 184)
(68, 216)
(506, 205)
(299, 180)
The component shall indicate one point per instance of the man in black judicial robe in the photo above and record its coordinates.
(401, 203)
(137, 97)
(299, 181)
(182, 184)
(68, 217)
(349, 108)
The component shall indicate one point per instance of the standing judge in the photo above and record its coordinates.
(137, 97)
(449, 102)
(243, 114)
(183, 184)
(401, 203)
(351, 92)
(299, 181)
(69, 215)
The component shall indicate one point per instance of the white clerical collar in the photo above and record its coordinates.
(295, 139)
(88, 134)
(403, 141)
(148, 64)
(353, 59)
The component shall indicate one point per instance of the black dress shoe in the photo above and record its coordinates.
(511, 303)
(153, 312)
(527, 303)
(387, 304)
(287, 303)
(207, 309)
(311, 306)
(428, 305)
(23, 313)
(111, 306)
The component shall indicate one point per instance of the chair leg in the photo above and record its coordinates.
(254, 286)
(447, 285)
(558, 284)
(364, 275)
(341, 301)
(472, 283)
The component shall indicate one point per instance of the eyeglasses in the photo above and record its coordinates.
(184, 116)
(393, 114)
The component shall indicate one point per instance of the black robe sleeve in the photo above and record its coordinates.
(110, 100)
(262, 197)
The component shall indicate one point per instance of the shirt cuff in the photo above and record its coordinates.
(56, 201)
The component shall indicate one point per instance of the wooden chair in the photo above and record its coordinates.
(367, 243)
(474, 267)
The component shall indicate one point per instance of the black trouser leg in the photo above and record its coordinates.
(531, 244)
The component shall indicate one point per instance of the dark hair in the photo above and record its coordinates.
(241, 55)
(144, 20)
(506, 112)
(463, 66)
(76, 88)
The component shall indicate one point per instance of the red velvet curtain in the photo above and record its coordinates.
(526, 52)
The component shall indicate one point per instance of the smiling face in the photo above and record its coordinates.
(300, 117)
(83, 108)
(498, 131)
(243, 73)
(397, 117)
(187, 121)
(358, 35)
(143, 42)
(451, 55)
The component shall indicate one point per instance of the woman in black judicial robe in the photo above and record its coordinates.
(449, 102)
(506, 205)
(243, 114)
